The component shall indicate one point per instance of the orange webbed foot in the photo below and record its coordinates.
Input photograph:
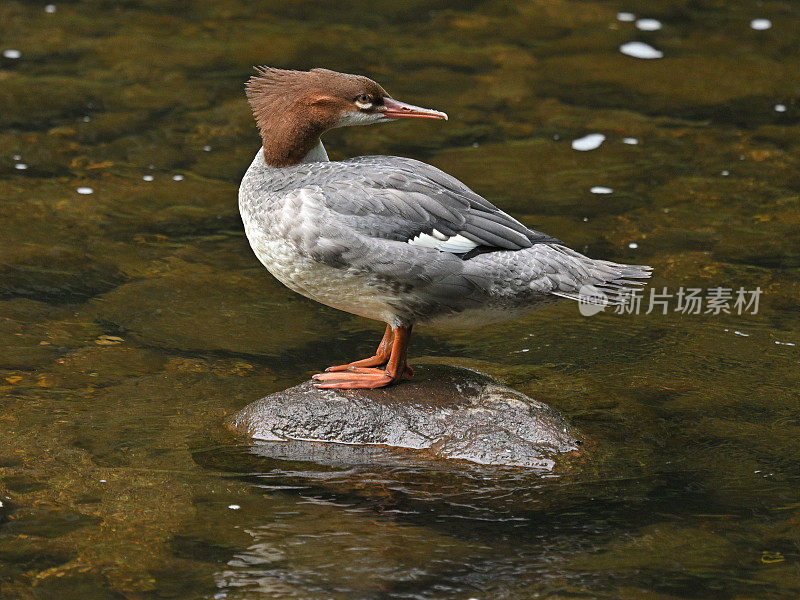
(373, 361)
(366, 374)
(353, 379)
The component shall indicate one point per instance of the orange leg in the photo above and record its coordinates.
(360, 377)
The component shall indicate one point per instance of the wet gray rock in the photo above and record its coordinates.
(444, 411)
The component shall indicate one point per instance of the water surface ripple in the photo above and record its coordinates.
(134, 318)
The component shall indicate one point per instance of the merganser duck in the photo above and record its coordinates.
(391, 238)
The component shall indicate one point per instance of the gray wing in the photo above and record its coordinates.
(405, 200)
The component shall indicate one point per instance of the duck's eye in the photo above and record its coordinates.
(363, 101)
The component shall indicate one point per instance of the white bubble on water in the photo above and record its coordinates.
(761, 24)
(11, 53)
(630, 141)
(780, 108)
(633, 245)
(648, 24)
(640, 50)
(20, 166)
(599, 189)
(207, 148)
(148, 178)
(177, 178)
(50, 9)
(626, 17)
(588, 142)
(234, 506)
(85, 190)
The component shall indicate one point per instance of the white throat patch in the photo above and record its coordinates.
(359, 118)
(316, 154)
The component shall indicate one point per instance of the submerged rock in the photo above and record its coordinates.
(196, 308)
(448, 412)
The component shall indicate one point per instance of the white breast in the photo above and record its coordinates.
(337, 288)
(334, 287)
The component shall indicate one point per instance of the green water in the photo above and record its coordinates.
(135, 318)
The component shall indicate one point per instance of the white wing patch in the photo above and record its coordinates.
(457, 244)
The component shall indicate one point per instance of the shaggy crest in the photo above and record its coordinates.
(294, 108)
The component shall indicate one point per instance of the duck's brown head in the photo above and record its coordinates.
(294, 108)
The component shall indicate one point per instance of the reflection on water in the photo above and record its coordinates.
(134, 318)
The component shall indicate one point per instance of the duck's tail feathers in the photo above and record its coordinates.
(600, 281)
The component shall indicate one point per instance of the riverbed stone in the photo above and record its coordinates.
(444, 411)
